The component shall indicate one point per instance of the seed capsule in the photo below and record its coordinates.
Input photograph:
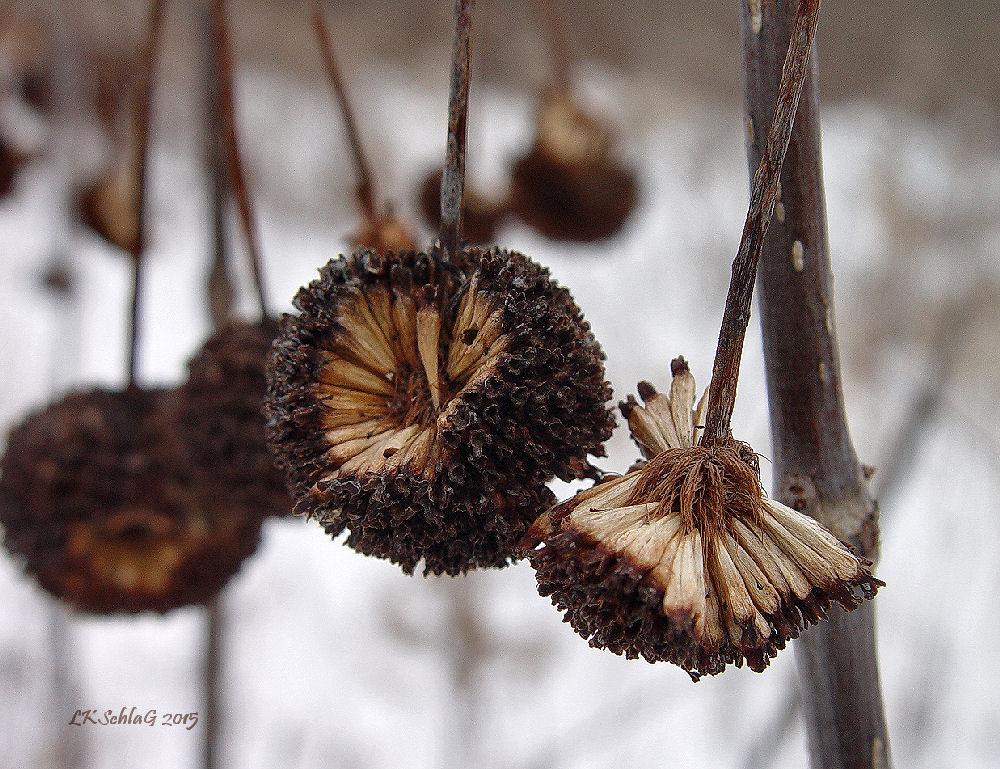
(423, 406)
(683, 558)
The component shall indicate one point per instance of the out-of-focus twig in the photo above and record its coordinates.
(227, 111)
(143, 111)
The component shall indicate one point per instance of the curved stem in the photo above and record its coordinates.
(143, 110)
(224, 73)
(365, 187)
(763, 195)
(453, 179)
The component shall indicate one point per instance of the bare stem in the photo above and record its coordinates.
(815, 466)
(555, 31)
(453, 179)
(763, 195)
(143, 110)
(219, 286)
(224, 72)
(212, 666)
(362, 168)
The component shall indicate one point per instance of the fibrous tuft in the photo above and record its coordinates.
(423, 405)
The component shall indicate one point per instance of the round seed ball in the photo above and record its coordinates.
(424, 405)
(95, 500)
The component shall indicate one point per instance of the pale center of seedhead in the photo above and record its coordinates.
(136, 549)
(395, 372)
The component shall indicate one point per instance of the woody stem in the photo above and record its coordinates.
(224, 73)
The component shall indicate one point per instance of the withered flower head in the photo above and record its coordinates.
(221, 420)
(423, 406)
(92, 497)
(569, 186)
(480, 215)
(684, 558)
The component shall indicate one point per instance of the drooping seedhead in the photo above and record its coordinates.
(220, 417)
(95, 500)
(423, 405)
(569, 186)
(684, 558)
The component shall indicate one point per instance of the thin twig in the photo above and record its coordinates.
(764, 194)
(220, 285)
(555, 32)
(212, 665)
(224, 72)
(143, 110)
(453, 179)
(362, 168)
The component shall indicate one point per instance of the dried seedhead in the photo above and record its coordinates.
(423, 406)
(684, 558)
(569, 187)
(221, 421)
(95, 500)
(11, 161)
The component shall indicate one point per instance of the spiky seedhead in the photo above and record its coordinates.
(424, 405)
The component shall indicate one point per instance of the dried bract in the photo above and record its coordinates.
(221, 420)
(94, 499)
(569, 187)
(423, 406)
(684, 558)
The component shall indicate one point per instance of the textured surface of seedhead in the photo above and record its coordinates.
(95, 502)
(221, 420)
(423, 406)
(683, 558)
(569, 187)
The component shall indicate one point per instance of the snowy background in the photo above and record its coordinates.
(336, 660)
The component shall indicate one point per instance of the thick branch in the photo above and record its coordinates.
(816, 468)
